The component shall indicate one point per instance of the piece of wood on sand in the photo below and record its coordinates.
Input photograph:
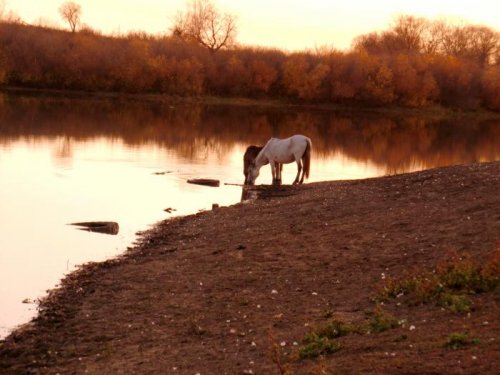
(204, 181)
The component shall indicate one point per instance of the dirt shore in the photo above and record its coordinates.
(234, 290)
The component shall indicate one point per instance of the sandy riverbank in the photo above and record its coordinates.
(234, 290)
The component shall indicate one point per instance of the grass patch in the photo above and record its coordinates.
(318, 346)
(382, 321)
(454, 302)
(449, 284)
(320, 341)
(459, 340)
(330, 330)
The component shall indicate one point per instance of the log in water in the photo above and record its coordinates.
(106, 227)
(204, 181)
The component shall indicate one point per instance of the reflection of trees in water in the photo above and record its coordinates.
(198, 132)
(63, 152)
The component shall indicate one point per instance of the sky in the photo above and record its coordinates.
(285, 24)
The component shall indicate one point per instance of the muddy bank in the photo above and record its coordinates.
(234, 290)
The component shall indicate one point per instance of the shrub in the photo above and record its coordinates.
(459, 340)
(382, 321)
(449, 284)
(319, 346)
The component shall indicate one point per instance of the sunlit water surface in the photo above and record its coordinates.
(64, 161)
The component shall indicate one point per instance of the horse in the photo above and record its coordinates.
(249, 156)
(283, 151)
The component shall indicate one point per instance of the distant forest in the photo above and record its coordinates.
(414, 63)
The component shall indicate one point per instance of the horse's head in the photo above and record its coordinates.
(252, 174)
(248, 159)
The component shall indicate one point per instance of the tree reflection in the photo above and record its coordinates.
(194, 131)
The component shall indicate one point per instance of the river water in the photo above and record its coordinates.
(71, 160)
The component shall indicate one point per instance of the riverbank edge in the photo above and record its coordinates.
(435, 111)
(53, 305)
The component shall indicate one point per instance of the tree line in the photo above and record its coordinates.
(414, 63)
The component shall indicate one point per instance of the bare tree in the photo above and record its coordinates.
(433, 37)
(71, 12)
(409, 31)
(484, 43)
(204, 24)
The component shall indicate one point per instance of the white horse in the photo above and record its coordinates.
(283, 151)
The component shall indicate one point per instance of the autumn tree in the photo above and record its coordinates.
(409, 31)
(478, 43)
(406, 35)
(71, 12)
(202, 23)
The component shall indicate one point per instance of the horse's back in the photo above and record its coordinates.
(286, 150)
(294, 139)
(299, 138)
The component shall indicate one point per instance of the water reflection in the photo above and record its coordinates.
(195, 132)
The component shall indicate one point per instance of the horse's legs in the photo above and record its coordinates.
(279, 168)
(299, 169)
(302, 178)
(273, 171)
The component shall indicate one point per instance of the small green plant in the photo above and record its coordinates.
(382, 321)
(318, 346)
(455, 302)
(449, 284)
(331, 330)
(459, 340)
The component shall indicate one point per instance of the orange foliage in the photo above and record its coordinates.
(402, 66)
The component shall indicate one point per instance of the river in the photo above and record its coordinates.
(66, 160)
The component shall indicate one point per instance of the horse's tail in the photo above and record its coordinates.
(307, 158)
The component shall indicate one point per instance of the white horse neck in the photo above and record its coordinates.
(261, 158)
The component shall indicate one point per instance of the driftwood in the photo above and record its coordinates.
(162, 173)
(204, 181)
(106, 227)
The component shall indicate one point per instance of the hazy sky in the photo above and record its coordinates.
(287, 24)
